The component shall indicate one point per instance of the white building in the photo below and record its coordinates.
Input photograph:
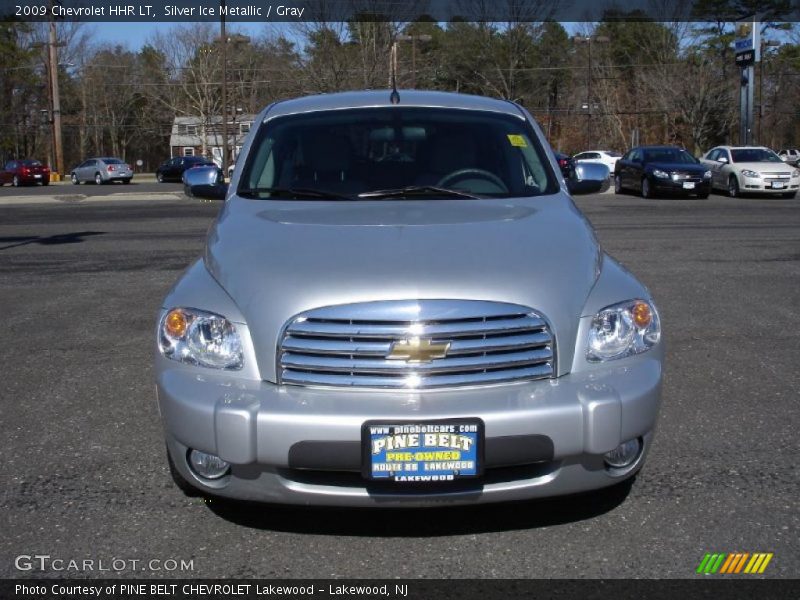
(192, 136)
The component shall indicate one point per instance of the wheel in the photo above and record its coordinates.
(45, 182)
(183, 485)
(98, 179)
(15, 182)
(160, 178)
(647, 192)
(703, 195)
(617, 184)
(126, 181)
(733, 186)
(788, 195)
(74, 179)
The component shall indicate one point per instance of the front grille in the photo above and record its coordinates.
(684, 176)
(349, 345)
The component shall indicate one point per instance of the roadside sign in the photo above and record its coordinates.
(746, 43)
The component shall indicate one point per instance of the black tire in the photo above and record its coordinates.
(618, 189)
(45, 183)
(126, 181)
(788, 195)
(187, 488)
(733, 187)
(703, 195)
(647, 191)
(75, 180)
(98, 179)
(16, 182)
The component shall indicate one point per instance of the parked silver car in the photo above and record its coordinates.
(400, 305)
(102, 170)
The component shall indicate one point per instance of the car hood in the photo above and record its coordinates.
(280, 258)
(763, 167)
(668, 166)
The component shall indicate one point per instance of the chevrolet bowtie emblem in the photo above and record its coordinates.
(416, 350)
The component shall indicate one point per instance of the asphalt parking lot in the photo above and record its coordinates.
(85, 474)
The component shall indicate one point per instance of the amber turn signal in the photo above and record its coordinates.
(642, 315)
(176, 323)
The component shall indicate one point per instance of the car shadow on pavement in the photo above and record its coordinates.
(49, 240)
(422, 522)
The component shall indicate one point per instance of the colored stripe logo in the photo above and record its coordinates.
(734, 562)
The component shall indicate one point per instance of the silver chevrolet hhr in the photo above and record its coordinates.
(400, 305)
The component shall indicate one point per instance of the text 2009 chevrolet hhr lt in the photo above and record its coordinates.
(400, 305)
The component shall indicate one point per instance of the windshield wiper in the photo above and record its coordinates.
(418, 190)
(293, 193)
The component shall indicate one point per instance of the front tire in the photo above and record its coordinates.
(617, 184)
(647, 191)
(733, 187)
(703, 196)
(75, 180)
(789, 195)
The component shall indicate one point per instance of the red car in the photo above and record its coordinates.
(20, 172)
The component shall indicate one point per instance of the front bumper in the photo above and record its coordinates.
(700, 186)
(299, 445)
(759, 185)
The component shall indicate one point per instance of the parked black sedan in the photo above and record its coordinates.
(172, 169)
(651, 170)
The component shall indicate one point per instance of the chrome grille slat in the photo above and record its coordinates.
(446, 365)
(311, 327)
(375, 381)
(349, 345)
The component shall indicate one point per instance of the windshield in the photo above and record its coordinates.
(754, 155)
(669, 155)
(111, 161)
(31, 163)
(396, 152)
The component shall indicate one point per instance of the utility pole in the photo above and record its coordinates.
(52, 60)
(413, 39)
(589, 40)
(224, 41)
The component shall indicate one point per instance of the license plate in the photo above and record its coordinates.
(422, 451)
(688, 185)
(777, 185)
(37, 176)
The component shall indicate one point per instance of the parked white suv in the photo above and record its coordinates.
(791, 156)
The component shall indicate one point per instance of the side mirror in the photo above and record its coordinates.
(723, 159)
(206, 183)
(589, 178)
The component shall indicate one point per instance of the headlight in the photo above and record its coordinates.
(660, 174)
(748, 173)
(707, 175)
(200, 338)
(622, 330)
(795, 173)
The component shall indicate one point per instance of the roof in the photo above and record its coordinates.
(741, 147)
(379, 98)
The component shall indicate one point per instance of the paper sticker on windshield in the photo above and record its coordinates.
(517, 140)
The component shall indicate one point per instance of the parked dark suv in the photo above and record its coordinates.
(172, 169)
(651, 170)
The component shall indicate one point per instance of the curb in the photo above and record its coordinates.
(83, 198)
